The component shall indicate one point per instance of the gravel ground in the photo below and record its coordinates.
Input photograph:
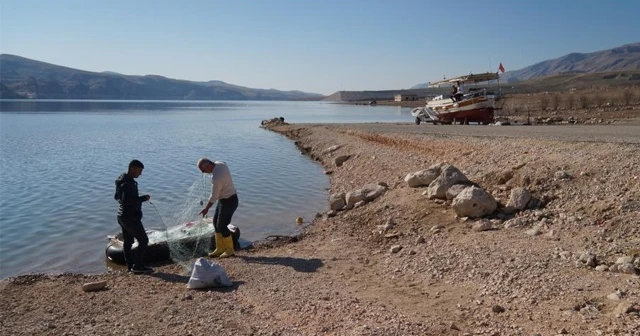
(426, 273)
(627, 132)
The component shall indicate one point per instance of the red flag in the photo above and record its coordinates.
(501, 68)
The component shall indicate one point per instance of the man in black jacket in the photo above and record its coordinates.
(130, 217)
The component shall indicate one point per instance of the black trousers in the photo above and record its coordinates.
(132, 228)
(222, 216)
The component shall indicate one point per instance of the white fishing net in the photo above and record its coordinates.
(185, 233)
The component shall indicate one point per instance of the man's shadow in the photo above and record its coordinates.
(170, 277)
(298, 264)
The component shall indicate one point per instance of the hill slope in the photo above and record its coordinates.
(623, 58)
(26, 78)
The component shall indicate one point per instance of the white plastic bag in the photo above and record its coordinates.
(208, 274)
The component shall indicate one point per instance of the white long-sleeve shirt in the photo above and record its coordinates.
(221, 182)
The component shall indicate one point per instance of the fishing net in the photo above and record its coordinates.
(185, 233)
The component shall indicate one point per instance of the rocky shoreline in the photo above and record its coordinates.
(556, 252)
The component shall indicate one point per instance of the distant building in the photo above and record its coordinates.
(405, 97)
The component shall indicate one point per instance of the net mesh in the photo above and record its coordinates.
(186, 234)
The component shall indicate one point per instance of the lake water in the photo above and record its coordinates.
(59, 160)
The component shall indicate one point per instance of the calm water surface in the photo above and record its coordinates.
(59, 160)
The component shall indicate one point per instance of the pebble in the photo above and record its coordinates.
(497, 309)
(94, 286)
(533, 232)
(614, 296)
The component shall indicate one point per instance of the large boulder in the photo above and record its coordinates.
(474, 202)
(337, 201)
(367, 193)
(518, 199)
(449, 176)
(423, 177)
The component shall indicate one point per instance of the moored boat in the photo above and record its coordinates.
(477, 105)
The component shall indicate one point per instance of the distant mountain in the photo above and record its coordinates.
(26, 78)
(623, 58)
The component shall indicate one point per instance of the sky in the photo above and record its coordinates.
(319, 46)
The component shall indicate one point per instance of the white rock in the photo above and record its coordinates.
(518, 199)
(337, 201)
(482, 225)
(614, 296)
(367, 193)
(474, 202)
(423, 177)
(563, 175)
(602, 268)
(588, 258)
(331, 149)
(625, 260)
(533, 232)
(626, 268)
(455, 190)
(566, 255)
(94, 286)
(387, 226)
(449, 176)
(516, 222)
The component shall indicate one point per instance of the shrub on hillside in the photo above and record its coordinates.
(627, 97)
(598, 100)
(555, 102)
(544, 102)
(571, 102)
(583, 101)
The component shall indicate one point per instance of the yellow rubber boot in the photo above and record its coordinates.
(220, 246)
(228, 243)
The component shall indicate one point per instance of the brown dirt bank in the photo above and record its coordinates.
(342, 279)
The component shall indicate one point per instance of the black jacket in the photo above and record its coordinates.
(128, 198)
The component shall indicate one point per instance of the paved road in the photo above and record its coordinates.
(621, 133)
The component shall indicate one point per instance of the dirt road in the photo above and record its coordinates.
(628, 132)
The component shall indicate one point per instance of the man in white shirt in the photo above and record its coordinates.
(459, 92)
(223, 191)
